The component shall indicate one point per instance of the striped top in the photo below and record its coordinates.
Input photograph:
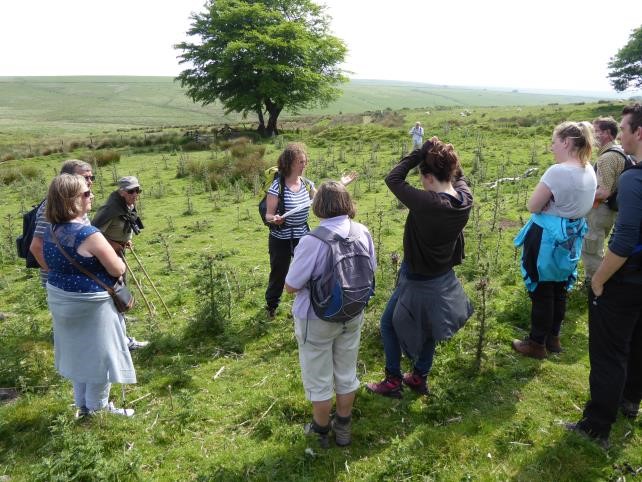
(41, 226)
(296, 225)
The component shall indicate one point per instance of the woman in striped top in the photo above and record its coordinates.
(285, 232)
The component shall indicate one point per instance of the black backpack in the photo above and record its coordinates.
(23, 242)
(280, 209)
(611, 201)
(344, 289)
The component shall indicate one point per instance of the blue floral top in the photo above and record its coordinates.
(64, 275)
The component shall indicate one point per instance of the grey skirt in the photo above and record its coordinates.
(429, 309)
(90, 345)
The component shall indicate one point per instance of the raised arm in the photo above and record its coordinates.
(396, 180)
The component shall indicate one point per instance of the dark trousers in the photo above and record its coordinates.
(281, 252)
(615, 352)
(548, 308)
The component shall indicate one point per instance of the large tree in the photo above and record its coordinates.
(626, 66)
(258, 56)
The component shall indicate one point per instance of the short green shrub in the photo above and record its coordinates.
(104, 158)
(15, 174)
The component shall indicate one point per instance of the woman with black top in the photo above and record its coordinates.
(428, 304)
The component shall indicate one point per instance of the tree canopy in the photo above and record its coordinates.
(626, 66)
(258, 56)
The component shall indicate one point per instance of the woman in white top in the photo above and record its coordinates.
(552, 238)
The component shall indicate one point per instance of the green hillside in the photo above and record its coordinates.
(67, 106)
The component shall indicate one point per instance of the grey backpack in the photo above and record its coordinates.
(347, 284)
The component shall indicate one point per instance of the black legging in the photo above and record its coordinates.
(547, 310)
(281, 252)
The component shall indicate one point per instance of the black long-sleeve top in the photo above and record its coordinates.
(433, 239)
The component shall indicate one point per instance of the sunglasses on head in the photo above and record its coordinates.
(86, 194)
(135, 190)
(90, 178)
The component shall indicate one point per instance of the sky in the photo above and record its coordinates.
(548, 44)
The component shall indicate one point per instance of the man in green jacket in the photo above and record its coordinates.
(118, 220)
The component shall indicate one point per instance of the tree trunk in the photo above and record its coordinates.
(273, 110)
(259, 113)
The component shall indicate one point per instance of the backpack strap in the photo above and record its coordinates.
(628, 162)
(280, 208)
(308, 185)
(327, 236)
(324, 234)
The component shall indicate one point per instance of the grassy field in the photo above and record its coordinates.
(56, 108)
(219, 394)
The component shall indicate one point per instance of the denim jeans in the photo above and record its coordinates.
(391, 347)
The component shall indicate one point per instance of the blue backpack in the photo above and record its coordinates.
(345, 287)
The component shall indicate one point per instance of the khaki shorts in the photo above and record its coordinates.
(328, 356)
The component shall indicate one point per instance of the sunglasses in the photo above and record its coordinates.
(86, 194)
(136, 190)
(90, 178)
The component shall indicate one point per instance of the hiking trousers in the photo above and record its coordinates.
(600, 222)
(615, 352)
(548, 307)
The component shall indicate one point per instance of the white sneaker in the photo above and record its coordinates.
(111, 408)
(135, 344)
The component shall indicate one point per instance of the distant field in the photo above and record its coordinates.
(50, 107)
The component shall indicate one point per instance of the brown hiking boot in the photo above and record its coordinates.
(553, 344)
(530, 348)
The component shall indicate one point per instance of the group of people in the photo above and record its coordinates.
(574, 207)
(428, 289)
(428, 304)
(77, 260)
(569, 221)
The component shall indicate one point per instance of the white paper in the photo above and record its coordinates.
(300, 207)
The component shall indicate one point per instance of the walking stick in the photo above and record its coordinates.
(150, 281)
(152, 311)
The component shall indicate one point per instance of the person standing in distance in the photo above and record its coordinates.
(417, 134)
(615, 304)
